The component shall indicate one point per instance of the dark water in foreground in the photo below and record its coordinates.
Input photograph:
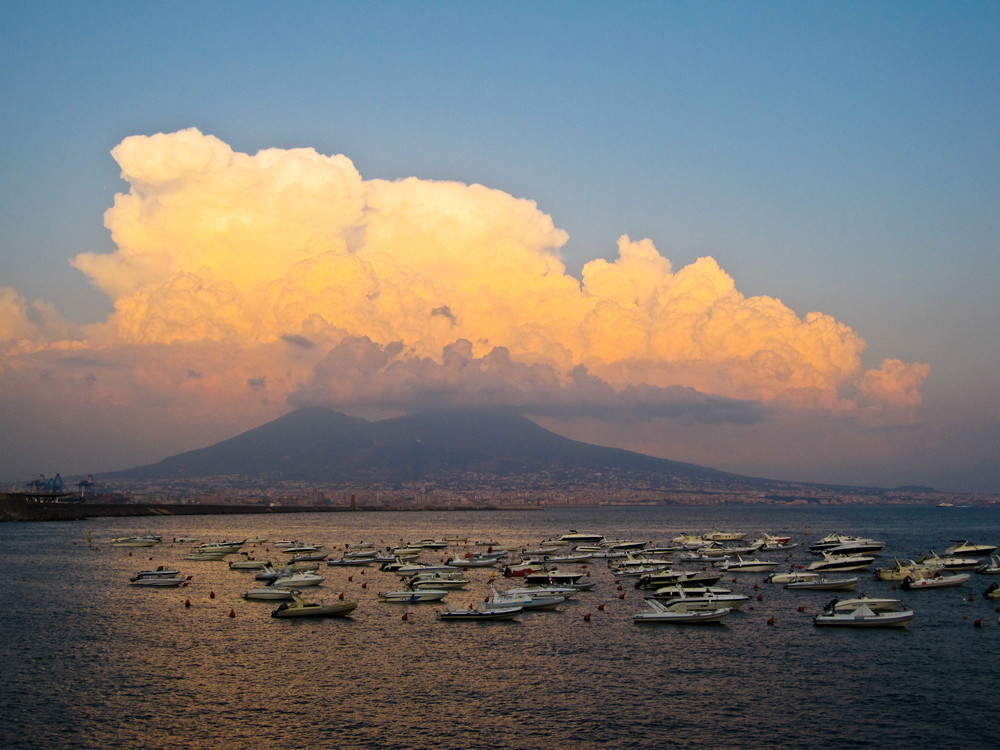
(87, 661)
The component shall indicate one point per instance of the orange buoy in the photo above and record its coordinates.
(600, 607)
(760, 597)
(187, 603)
(586, 617)
(802, 608)
(770, 620)
(621, 595)
(232, 613)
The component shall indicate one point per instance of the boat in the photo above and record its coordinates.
(298, 580)
(524, 600)
(679, 613)
(753, 565)
(406, 596)
(203, 556)
(794, 576)
(724, 536)
(354, 561)
(821, 584)
(873, 603)
(134, 541)
(158, 579)
(965, 548)
(302, 549)
(944, 580)
(680, 577)
(944, 563)
(247, 563)
(992, 591)
(864, 617)
(301, 608)
(841, 562)
(576, 537)
(158, 572)
(269, 593)
(474, 561)
(437, 581)
(990, 568)
(900, 569)
(480, 612)
(706, 598)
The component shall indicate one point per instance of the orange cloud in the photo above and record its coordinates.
(248, 278)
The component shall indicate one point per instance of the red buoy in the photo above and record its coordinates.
(586, 617)
(406, 616)
(600, 607)
(770, 620)
(232, 613)
(187, 603)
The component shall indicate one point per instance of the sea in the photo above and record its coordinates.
(88, 661)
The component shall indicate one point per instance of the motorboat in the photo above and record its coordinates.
(410, 570)
(576, 537)
(753, 565)
(678, 577)
(299, 580)
(990, 568)
(474, 561)
(158, 572)
(825, 584)
(247, 563)
(554, 577)
(302, 549)
(431, 543)
(299, 607)
(200, 556)
(158, 579)
(566, 592)
(840, 562)
(134, 541)
(873, 603)
(965, 548)
(225, 547)
(437, 581)
(524, 600)
(857, 546)
(865, 617)
(269, 593)
(310, 557)
(724, 536)
(709, 598)
(949, 562)
(689, 541)
(413, 596)
(352, 562)
(901, 569)
(679, 613)
(944, 580)
(481, 611)
(793, 576)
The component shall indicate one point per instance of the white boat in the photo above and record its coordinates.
(473, 561)
(298, 580)
(301, 608)
(576, 537)
(269, 593)
(873, 603)
(753, 565)
(247, 563)
(438, 581)
(794, 576)
(825, 584)
(942, 581)
(679, 613)
(841, 562)
(512, 598)
(708, 598)
(158, 572)
(158, 579)
(864, 617)
(480, 612)
(407, 596)
(725, 536)
(945, 563)
(990, 568)
(203, 556)
(134, 541)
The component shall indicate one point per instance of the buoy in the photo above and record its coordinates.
(979, 622)
(972, 597)
(893, 587)
(364, 585)
(341, 596)
(760, 597)
(586, 617)
(600, 607)
(770, 620)
(619, 588)
(756, 586)
(621, 595)
(187, 603)
(350, 578)
(211, 594)
(232, 613)
(734, 580)
(802, 608)
(588, 574)
(406, 616)
(751, 608)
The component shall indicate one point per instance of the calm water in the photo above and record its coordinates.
(88, 661)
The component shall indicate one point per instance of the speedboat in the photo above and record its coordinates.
(158, 572)
(753, 565)
(480, 612)
(203, 556)
(158, 579)
(678, 577)
(941, 581)
(474, 561)
(301, 608)
(965, 548)
(724, 536)
(407, 596)
(709, 598)
(841, 562)
(679, 613)
(794, 576)
(524, 600)
(298, 580)
(949, 562)
(134, 541)
(900, 569)
(874, 604)
(576, 537)
(821, 584)
(247, 563)
(865, 617)
(438, 581)
(269, 593)
(990, 568)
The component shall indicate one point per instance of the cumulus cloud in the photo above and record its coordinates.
(284, 275)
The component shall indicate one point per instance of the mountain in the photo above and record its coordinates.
(322, 445)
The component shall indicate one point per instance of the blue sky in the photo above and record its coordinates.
(841, 157)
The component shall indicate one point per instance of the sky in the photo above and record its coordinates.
(756, 236)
